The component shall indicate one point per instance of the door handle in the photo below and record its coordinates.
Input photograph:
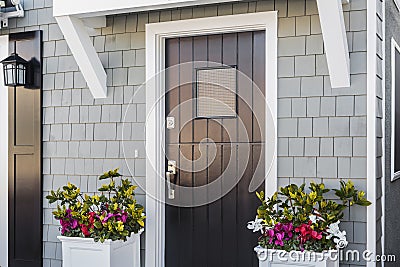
(170, 174)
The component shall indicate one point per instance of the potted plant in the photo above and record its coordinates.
(100, 230)
(300, 228)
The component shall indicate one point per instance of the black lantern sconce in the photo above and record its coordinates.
(19, 72)
(15, 70)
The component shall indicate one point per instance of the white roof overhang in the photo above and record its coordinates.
(74, 16)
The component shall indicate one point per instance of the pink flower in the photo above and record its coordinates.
(85, 230)
(316, 235)
(74, 224)
(271, 232)
(280, 233)
(306, 233)
(124, 217)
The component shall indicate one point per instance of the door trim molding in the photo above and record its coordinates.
(3, 157)
(155, 62)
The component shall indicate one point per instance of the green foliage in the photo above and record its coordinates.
(114, 214)
(110, 174)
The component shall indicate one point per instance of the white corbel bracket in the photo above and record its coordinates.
(77, 36)
(4, 16)
(335, 41)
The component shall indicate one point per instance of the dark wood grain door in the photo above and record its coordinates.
(25, 179)
(218, 150)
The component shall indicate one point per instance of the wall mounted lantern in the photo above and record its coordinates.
(18, 70)
(15, 70)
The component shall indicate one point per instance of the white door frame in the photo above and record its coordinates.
(3, 157)
(155, 55)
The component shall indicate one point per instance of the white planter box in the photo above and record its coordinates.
(281, 258)
(84, 252)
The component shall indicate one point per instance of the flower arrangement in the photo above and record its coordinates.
(293, 219)
(114, 214)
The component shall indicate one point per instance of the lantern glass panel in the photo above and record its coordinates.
(21, 70)
(9, 74)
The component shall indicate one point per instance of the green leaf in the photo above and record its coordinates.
(98, 225)
(110, 174)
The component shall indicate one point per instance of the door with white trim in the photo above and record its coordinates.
(215, 120)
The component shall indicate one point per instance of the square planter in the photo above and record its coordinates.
(84, 252)
(281, 258)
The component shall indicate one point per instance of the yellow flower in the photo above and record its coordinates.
(120, 226)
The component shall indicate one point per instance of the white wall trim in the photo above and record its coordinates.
(3, 158)
(335, 42)
(394, 46)
(155, 52)
(371, 127)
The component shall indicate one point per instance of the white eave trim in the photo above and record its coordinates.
(77, 37)
(83, 9)
(335, 41)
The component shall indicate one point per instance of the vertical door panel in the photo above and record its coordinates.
(215, 59)
(172, 89)
(229, 57)
(245, 86)
(186, 90)
(25, 241)
(259, 86)
(24, 117)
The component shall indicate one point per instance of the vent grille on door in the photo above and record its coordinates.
(216, 92)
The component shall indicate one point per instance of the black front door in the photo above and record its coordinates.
(25, 179)
(215, 126)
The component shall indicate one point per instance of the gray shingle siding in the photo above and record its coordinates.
(321, 131)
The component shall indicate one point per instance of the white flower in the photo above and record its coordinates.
(333, 229)
(313, 218)
(256, 225)
(339, 237)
